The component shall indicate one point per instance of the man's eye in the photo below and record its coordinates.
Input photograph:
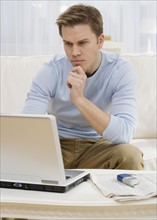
(82, 43)
(68, 44)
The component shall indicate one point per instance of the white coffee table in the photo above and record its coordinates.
(82, 202)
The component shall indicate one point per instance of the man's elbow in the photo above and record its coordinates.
(125, 136)
(120, 135)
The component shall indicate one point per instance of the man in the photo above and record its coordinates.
(91, 93)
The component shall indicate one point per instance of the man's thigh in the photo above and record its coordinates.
(73, 149)
(100, 154)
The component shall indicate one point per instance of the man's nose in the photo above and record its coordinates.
(76, 50)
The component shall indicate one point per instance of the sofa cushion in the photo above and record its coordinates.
(145, 67)
(149, 149)
(16, 77)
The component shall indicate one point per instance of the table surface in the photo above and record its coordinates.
(83, 201)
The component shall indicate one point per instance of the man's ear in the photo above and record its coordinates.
(101, 40)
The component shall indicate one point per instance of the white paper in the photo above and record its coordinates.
(111, 187)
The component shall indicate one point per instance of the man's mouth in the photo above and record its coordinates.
(77, 62)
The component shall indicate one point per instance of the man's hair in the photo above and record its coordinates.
(81, 14)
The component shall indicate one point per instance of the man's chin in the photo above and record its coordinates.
(84, 68)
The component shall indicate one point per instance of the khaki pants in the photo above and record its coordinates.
(99, 153)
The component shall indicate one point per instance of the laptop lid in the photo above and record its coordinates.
(30, 148)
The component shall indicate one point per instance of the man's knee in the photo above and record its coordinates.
(129, 157)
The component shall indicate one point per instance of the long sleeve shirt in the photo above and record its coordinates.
(111, 88)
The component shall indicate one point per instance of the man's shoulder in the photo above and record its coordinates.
(58, 61)
(112, 57)
(118, 66)
(116, 61)
(59, 58)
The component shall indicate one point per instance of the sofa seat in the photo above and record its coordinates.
(149, 149)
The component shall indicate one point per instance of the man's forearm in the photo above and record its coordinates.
(97, 118)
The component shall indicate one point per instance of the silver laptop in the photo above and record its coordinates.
(31, 157)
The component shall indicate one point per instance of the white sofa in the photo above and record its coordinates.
(17, 73)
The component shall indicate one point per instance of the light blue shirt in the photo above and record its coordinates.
(111, 88)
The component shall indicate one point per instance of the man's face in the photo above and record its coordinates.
(82, 46)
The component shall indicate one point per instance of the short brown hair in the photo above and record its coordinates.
(81, 14)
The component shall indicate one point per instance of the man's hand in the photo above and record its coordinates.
(76, 82)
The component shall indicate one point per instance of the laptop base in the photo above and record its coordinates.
(43, 187)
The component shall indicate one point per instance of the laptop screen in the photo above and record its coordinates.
(30, 147)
